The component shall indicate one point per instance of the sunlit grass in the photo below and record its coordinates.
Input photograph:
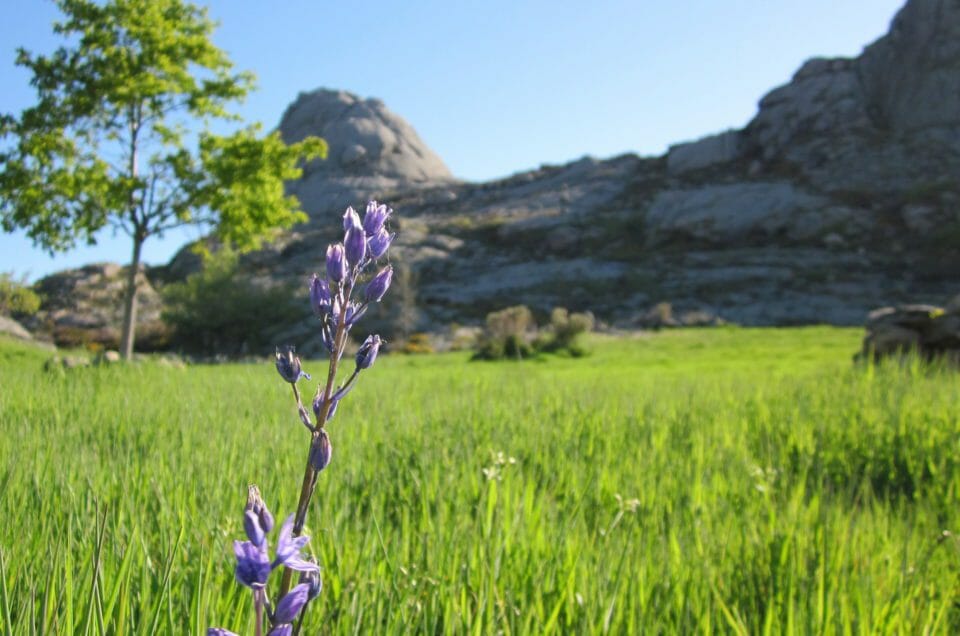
(733, 480)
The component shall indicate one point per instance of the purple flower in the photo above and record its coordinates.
(374, 218)
(336, 263)
(321, 451)
(251, 525)
(355, 246)
(379, 243)
(253, 565)
(354, 313)
(281, 630)
(368, 352)
(334, 402)
(288, 365)
(219, 631)
(379, 285)
(257, 506)
(351, 220)
(313, 582)
(288, 549)
(319, 295)
(291, 604)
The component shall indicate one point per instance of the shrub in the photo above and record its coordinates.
(508, 334)
(220, 311)
(16, 297)
(566, 329)
(418, 343)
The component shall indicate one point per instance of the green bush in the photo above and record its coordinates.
(508, 334)
(565, 331)
(220, 311)
(16, 297)
(512, 333)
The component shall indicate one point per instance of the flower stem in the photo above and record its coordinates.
(309, 474)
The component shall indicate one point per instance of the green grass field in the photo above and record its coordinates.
(729, 480)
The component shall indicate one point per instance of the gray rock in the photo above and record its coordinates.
(85, 306)
(708, 151)
(736, 213)
(372, 151)
(10, 327)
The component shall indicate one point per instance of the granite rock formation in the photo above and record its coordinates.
(840, 195)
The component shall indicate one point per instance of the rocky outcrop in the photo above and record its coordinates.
(841, 194)
(84, 307)
(12, 328)
(372, 151)
(929, 331)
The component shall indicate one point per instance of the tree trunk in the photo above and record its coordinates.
(130, 303)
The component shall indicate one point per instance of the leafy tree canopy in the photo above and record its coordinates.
(119, 136)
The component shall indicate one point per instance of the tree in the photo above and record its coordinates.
(120, 137)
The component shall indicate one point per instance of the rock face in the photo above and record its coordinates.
(84, 307)
(372, 151)
(841, 194)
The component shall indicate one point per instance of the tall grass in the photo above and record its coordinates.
(738, 481)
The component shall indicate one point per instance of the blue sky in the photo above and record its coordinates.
(499, 86)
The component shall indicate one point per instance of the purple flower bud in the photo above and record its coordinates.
(319, 295)
(313, 582)
(355, 246)
(354, 313)
(291, 604)
(219, 631)
(256, 505)
(321, 451)
(379, 285)
(336, 263)
(375, 217)
(253, 565)
(285, 629)
(368, 351)
(318, 404)
(351, 220)
(327, 338)
(251, 525)
(379, 243)
(288, 365)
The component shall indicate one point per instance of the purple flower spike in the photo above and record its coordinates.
(319, 295)
(281, 630)
(375, 217)
(368, 352)
(291, 604)
(351, 220)
(355, 246)
(288, 549)
(253, 565)
(379, 243)
(336, 263)
(379, 285)
(219, 631)
(288, 365)
(321, 451)
(251, 525)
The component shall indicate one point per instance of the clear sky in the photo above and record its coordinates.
(499, 86)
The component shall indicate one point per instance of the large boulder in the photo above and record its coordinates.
(928, 330)
(373, 151)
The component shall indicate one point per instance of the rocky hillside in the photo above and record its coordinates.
(840, 195)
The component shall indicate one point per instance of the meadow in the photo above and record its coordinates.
(698, 481)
